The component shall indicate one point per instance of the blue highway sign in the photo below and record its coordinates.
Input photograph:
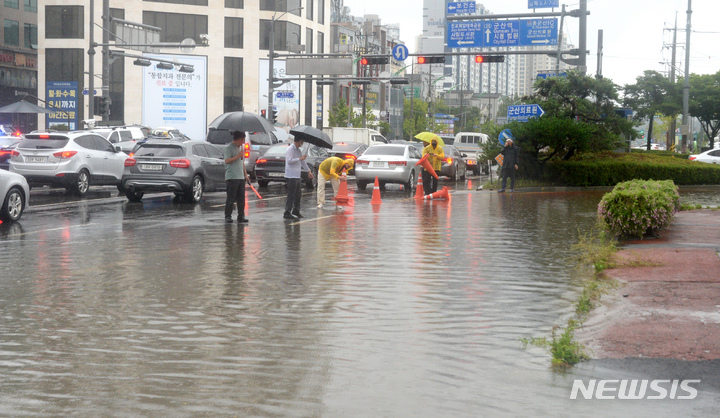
(400, 52)
(543, 4)
(462, 7)
(549, 75)
(523, 113)
(494, 33)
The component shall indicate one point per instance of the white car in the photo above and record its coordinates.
(712, 156)
(14, 194)
(390, 163)
(73, 160)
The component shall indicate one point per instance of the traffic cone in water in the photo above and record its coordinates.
(342, 196)
(427, 166)
(419, 191)
(376, 193)
(442, 194)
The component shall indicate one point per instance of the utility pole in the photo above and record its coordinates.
(91, 63)
(686, 85)
(582, 59)
(598, 73)
(673, 123)
(106, 59)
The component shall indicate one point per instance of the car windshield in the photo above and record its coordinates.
(342, 147)
(260, 139)
(276, 150)
(385, 150)
(44, 143)
(157, 150)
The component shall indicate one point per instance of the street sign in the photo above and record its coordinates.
(523, 113)
(504, 136)
(543, 4)
(462, 7)
(499, 33)
(400, 52)
(285, 95)
(86, 92)
(549, 75)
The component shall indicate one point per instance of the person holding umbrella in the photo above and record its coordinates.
(294, 163)
(436, 155)
(235, 177)
(511, 158)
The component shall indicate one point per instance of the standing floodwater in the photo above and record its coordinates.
(161, 309)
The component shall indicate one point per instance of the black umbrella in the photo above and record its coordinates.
(312, 135)
(24, 107)
(242, 121)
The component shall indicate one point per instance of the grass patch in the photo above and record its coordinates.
(520, 182)
(690, 206)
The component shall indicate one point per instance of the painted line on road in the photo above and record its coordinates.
(255, 200)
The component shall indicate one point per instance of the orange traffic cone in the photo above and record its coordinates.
(427, 166)
(442, 194)
(342, 196)
(419, 191)
(376, 193)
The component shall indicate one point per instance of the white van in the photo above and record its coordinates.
(471, 143)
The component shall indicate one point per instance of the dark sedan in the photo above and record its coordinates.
(348, 150)
(453, 165)
(271, 165)
(187, 168)
(7, 145)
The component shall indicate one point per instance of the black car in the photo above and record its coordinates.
(453, 165)
(187, 168)
(7, 145)
(348, 151)
(271, 165)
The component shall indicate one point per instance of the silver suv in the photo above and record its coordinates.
(73, 160)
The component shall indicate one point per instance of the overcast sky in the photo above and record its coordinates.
(634, 32)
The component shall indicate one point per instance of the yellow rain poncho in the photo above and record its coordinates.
(332, 167)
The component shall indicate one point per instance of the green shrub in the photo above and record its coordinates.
(609, 168)
(637, 208)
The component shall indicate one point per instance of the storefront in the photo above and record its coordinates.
(18, 77)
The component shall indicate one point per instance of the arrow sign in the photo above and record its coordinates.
(400, 52)
(523, 113)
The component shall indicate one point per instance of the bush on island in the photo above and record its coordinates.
(638, 208)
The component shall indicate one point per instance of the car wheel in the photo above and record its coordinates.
(134, 196)
(13, 206)
(82, 183)
(195, 193)
(361, 184)
(120, 188)
(263, 183)
(410, 184)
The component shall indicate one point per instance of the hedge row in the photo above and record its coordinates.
(609, 169)
(638, 208)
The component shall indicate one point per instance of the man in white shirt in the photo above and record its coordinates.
(294, 164)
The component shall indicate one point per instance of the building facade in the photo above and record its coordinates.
(233, 69)
(19, 59)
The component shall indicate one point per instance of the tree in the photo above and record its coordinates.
(579, 116)
(651, 94)
(705, 103)
(414, 121)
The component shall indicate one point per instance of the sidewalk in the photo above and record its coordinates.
(668, 302)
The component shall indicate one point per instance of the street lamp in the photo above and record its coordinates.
(271, 58)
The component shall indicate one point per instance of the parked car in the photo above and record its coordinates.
(453, 165)
(271, 165)
(348, 150)
(7, 145)
(126, 137)
(471, 143)
(256, 144)
(9, 130)
(391, 163)
(73, 160)
(187, 168)
(14, 195)
(711, 156)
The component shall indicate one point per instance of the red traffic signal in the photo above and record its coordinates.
(489, 58)
(374, 60)
(431, 59)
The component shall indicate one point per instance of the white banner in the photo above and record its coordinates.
(175, 99)
(286, 98)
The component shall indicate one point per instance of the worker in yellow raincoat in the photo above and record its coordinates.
(331, 169)
(437, 155)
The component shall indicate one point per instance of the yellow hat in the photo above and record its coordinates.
(350, 162)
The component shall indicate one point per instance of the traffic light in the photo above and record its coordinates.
(374, 60)
(100, 105)
(489, 58)
(431, 59)
(263, 113)
(274, 116)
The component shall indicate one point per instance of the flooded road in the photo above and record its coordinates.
(401, 309)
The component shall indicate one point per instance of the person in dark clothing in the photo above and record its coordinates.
(511, 158)
(235, 178)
